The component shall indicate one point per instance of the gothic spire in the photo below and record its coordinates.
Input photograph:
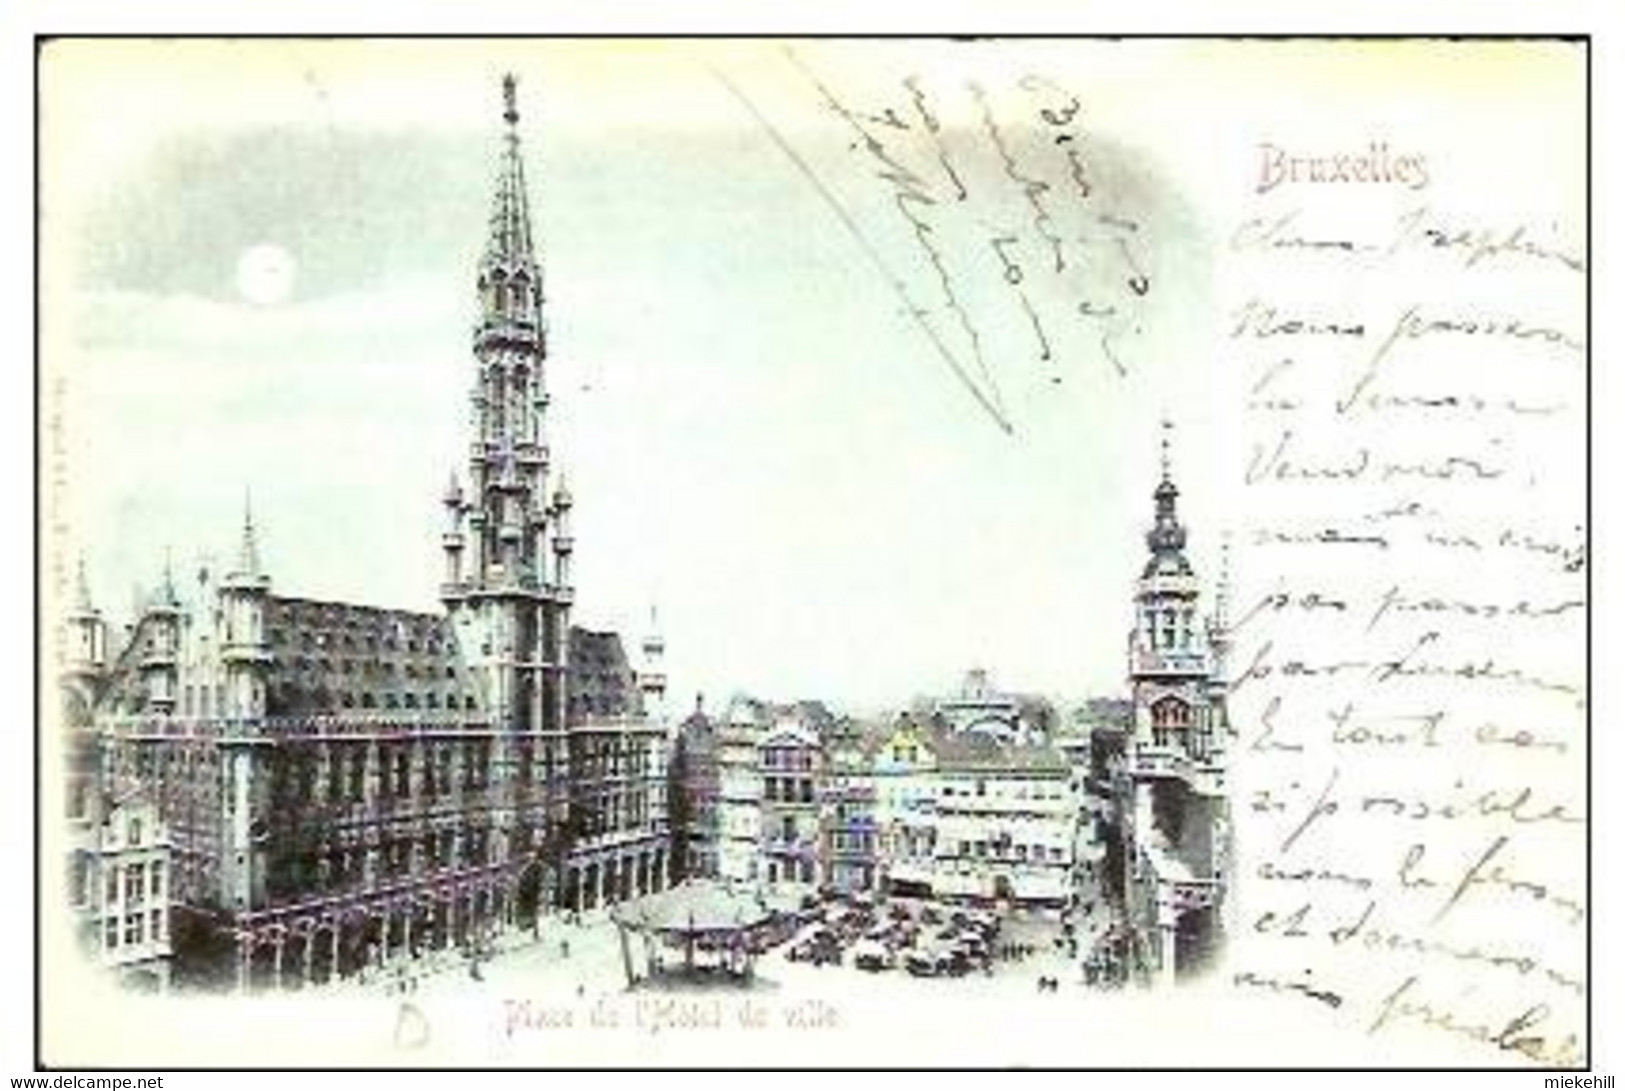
(508, 248)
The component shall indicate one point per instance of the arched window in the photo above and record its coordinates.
(1168, 715)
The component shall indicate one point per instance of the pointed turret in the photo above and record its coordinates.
(244, 644)
(652, 678)
(161, 631)
(167, 596)
(246, 571)
(87, 633)
(81, 591)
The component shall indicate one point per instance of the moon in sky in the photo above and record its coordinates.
(265, 274)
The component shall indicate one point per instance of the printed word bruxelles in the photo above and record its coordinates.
(1374, 164)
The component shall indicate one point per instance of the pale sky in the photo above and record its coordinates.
(761, 440)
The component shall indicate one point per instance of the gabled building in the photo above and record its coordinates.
(903, 764)
(740, 789)
(792, 769)
(695, 793)
(125, 885)
(851, 830)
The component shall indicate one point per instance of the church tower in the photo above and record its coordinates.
(1169, 658)
(507, 543)
(506, 588)
(1175, 816)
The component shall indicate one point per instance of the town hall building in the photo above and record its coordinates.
(341, 783)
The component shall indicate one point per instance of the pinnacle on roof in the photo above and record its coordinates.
(653, 641)
(81, 591)
(248, 553)
(166, 590)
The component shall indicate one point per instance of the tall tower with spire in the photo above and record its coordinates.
(507, 542)
(506, 588)
(1174, 811)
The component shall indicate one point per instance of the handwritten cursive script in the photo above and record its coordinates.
(1409, 667)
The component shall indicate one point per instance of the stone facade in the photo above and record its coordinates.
(344, 783)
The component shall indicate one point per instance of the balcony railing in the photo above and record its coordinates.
(505, 329)
(271, 728)
(243, 652)
(1201, 771)
(1193, 662)
(1160, 761)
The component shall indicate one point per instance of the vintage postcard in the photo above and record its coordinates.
(892, 552)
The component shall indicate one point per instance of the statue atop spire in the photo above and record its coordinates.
(510, 99)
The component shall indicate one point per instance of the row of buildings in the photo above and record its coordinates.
(269, 789)
(970, 798)
(990, 797)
